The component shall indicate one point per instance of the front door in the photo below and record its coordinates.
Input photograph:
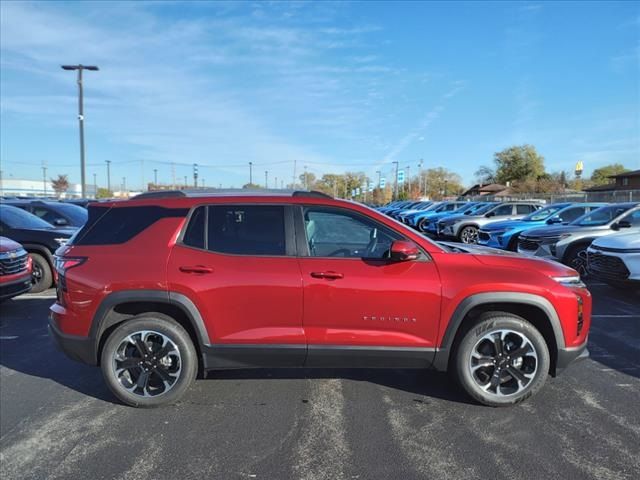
(358, 303)
(237, 264)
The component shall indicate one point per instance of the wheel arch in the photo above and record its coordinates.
(583, 242)
(118, 307)
(535, 309)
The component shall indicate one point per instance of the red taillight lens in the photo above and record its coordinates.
(65, 263)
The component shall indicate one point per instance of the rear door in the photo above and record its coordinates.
(237, 264)
(359, 306)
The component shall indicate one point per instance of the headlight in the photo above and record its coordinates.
(570, 281)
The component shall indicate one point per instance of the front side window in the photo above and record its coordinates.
(633, 218)
(246, 229)
(570, 214)
(601, 216)
(339, 233)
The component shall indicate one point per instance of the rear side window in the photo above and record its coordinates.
(246, 229)
(571, 214)
(194, 234)
(114, 225)
(503, 210)
(524, 209)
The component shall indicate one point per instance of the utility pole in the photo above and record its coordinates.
(293, 185)
(155, 177)
(409, 179)
(379, 177)
(95, 186)
(80, 68)
(44, 179)
(108, 175)
(195, 175)
(395, 184)
(202, 182)
(250, 173)
(306, 187)
(124, 184)
(420, 177)
(173, 176)
(185, 181)
(281, 184)
(266, 179)
(276, 183)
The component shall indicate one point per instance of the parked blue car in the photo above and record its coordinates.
(413, 208)
(469, 208)
(504, 234)
(420, 220)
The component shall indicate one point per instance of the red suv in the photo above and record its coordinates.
(160, 287)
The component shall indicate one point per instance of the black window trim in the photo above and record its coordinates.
(289, 230)
(303, 245)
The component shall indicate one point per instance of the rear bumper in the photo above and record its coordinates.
(81, 349)
(15, 287)
(568, 356)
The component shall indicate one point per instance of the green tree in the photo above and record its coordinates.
(103, 193)
(438, 182)
(60, 184)
(485, 175)
(518, 164)
(600, 176)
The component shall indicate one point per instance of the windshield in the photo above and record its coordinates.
(484, 209)
(76, 214)
(601, 216)
(543, 214)
(15, 217)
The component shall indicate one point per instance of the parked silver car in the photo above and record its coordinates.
(568, 243)
(465, 228)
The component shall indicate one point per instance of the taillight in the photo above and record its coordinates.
(66, 263)
(580, 316)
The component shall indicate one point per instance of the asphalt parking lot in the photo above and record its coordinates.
(58, 420)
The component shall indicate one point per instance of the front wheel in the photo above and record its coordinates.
(577, 259)
(149, 361)
(469, 234)
(41, 275)
(501, 360)
(423, 223)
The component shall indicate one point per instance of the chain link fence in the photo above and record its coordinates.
(609, 197)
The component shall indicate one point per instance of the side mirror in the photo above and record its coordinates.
(490, 214)
(404, 251)
(621, 224)
(553, 220)
(60, 222)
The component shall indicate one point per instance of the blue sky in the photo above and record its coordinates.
(333, 86)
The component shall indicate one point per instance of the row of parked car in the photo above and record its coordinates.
(30, 232)
(597, 239)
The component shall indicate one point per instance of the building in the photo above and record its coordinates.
(492, 189)
(14, 187)
(622, 181)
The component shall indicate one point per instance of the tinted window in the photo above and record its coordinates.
(339, 233)
(246, 229)
(541, 214)
(107, 225)
(16, 218)
(503, 210)
(523, 209)
(633, 218)
(194, 235)
(75, 214)
(570, 214)
(601, 216)
(47, 215)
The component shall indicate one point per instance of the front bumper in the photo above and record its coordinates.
(568, 356)
(81, 349)
(15, 287)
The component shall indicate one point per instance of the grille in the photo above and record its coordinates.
(528, 244)
(17, 264)
(607, 266)
(483, 236)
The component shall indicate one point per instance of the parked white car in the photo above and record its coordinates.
(615, 259)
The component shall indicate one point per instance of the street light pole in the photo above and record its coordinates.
(108, 175)
(266, 179)
(395, 186)
(420, 177)
(250, 173)
(155, 176)
(409, 180)
(44, 179)
(80, 68)
(95, 186)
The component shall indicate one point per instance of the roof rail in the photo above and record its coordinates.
(203, 192)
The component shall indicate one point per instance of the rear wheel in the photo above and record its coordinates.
(423, 223)
(469, 234)
(149, 361)
(501, 360)
(41, 275)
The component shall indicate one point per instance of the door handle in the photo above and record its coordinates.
(196, 269)
(327, 275)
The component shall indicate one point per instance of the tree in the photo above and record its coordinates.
(60, 184)
(518, 163)
(439, 182)
(252, 186)
(485, 175)
(600, 176)
(104, 193)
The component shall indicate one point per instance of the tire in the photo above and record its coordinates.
(41, 276)
(422, 225)
(513, 243)
(166, 378)
(468, 235)
(576, 259)
(478, 342)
